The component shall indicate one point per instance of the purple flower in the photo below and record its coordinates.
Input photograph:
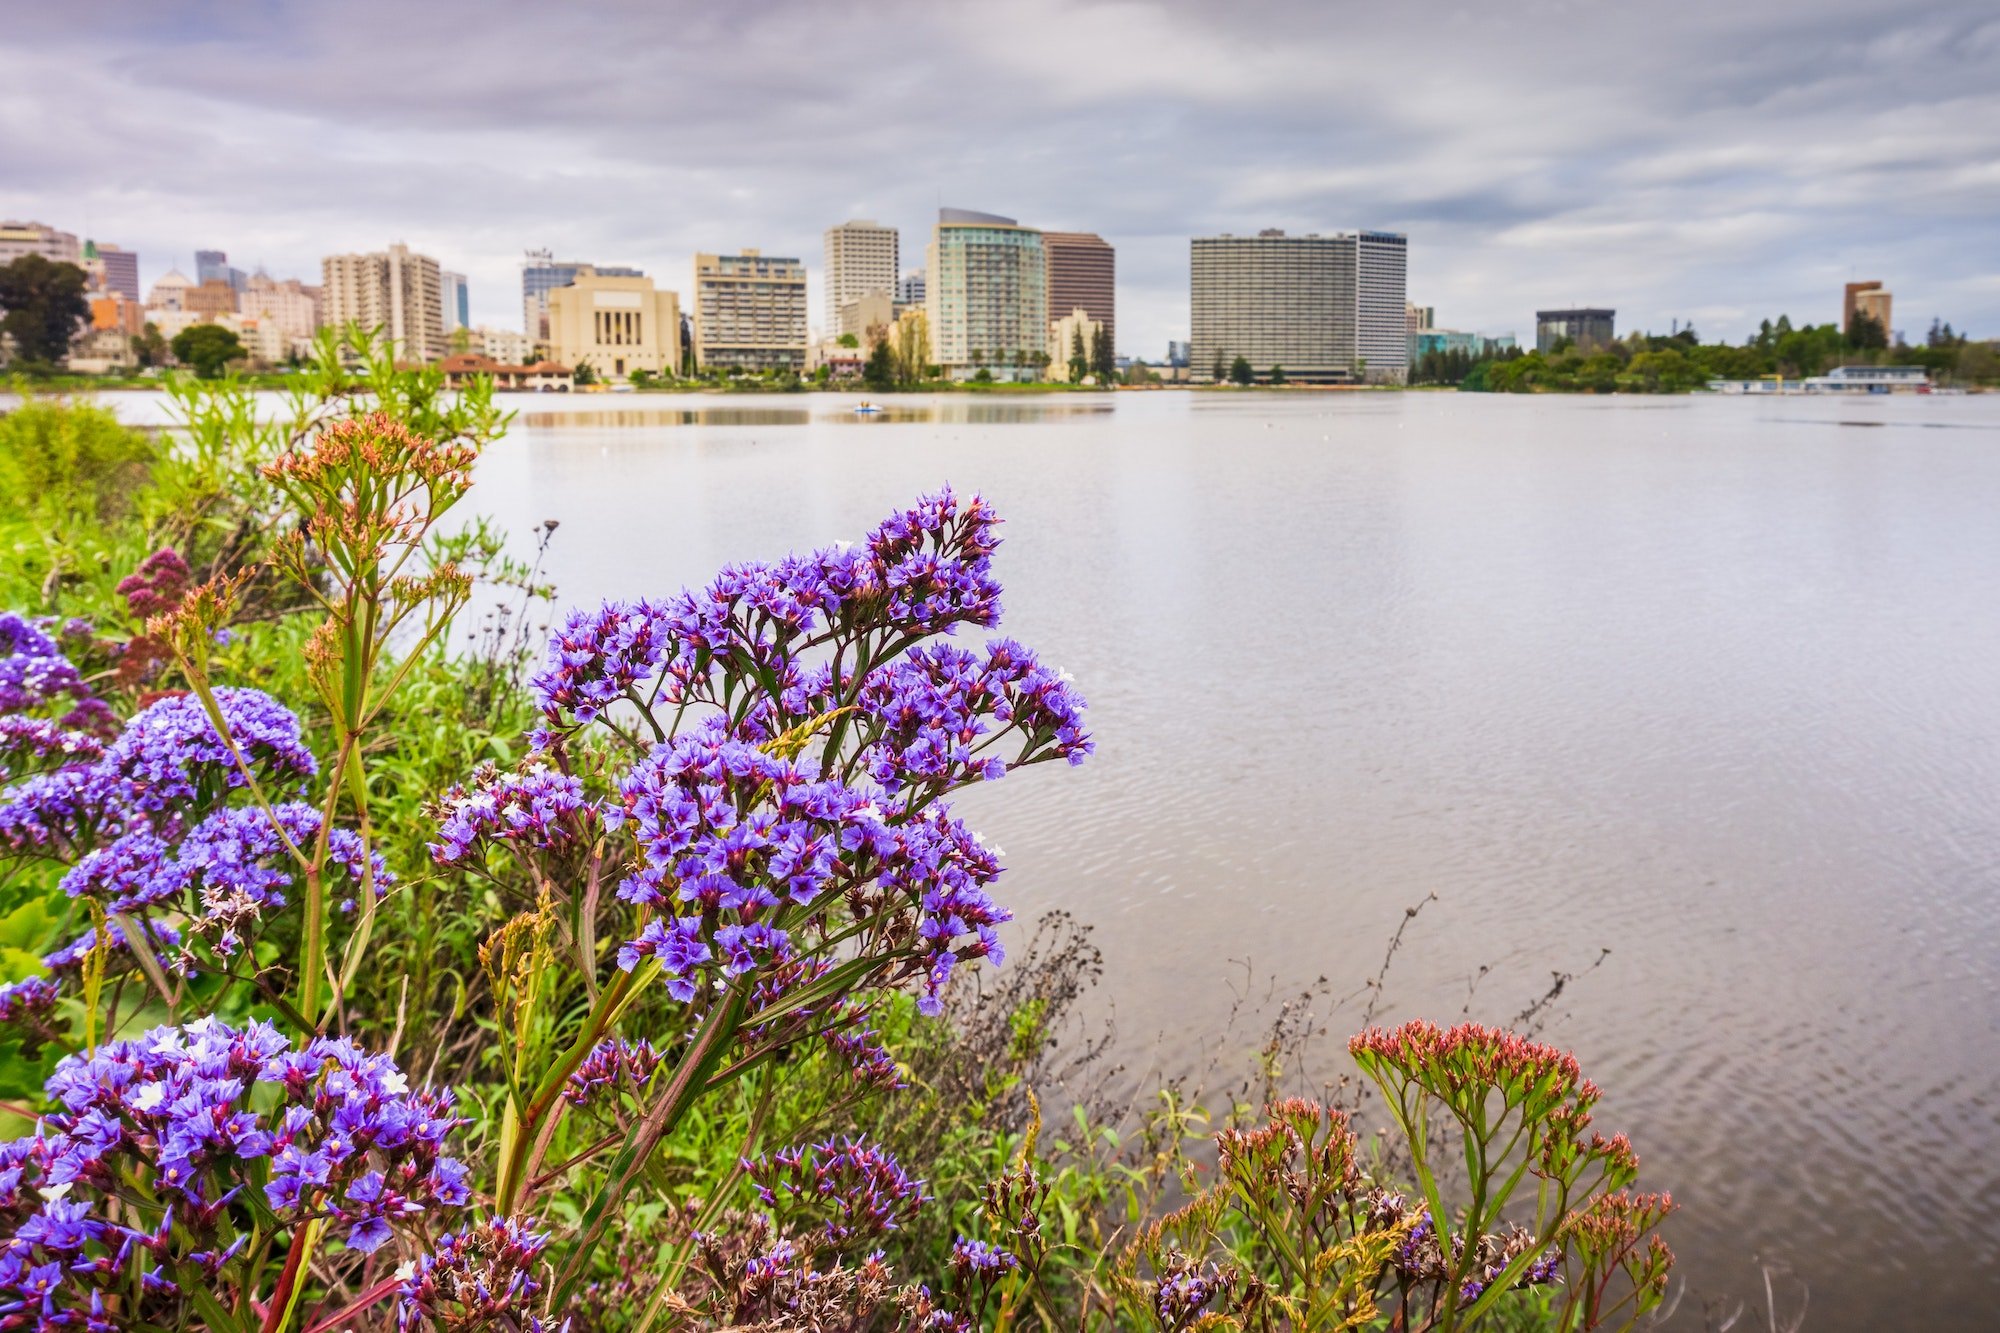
(538, 808)
(852, 1186)
(170, 754)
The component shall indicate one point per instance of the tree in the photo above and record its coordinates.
(1079, 363)
(880, 372)
(461, 339)
(1102, 358)
(1277, 374)
(585, 373)
(848, 340)
(1865, 332)
(1221, 371)
(1240, 371)
(913, 348)
(207, 348)
(44, 304)
(149, 347)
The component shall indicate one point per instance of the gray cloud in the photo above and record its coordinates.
(1713, 162)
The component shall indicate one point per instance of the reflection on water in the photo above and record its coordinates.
(940, 410)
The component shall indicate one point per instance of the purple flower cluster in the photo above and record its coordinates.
(159, 936)
(475, 1279)
(852, 1186)
(975, 1260)
(170, 755)
(608, 1064)
(36, 676)
(1184, 1291)
(31, 742)
(26, 1001)
(186, 1110)
(158, 585)
(934, 705)
(537, 807)
(924, 571)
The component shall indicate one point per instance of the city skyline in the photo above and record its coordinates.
(1741, 163)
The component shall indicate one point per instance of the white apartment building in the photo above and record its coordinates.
(503, 345)
(986, 295)
(862, 257)
(36, 238)
(750, 311)
(615, 326)
(1326, 308)
(395, 291)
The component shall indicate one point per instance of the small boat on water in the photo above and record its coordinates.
(866, 409)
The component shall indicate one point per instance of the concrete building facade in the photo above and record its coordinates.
(1083, 275)
(749, 311)
(169, 292)
(615, 325)
(213, 297)
(986, 295)
(862, 257)
(1586, 326)
(214, 266)
(36, 238)
(395, 291)
(1326, 308)
(542, 273)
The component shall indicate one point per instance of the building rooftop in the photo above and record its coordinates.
(972, 217)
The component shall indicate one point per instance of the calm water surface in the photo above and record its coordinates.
(1714, 684)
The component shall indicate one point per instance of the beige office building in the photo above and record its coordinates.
(395, 291)
(862, 258)
(1871, 299)
(615, 326)
(1073, 334)
(750, 311)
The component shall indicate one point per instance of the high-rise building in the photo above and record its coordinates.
(986, 295)
(291, 307)
(615, 325)
(910, 288)
(1382, 273)
(1417, 318)
(456, 301)
(1083, 275)
(1177, 353)
(1866, 298)
(1585, 327)
(35, 238)
(113, 271)
(395, 292)
(861, 257)
(750, 311)
(214, 266)
(1323, 308)
(542, 273)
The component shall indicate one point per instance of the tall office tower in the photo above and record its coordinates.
(113, 270)
(750, 311)
(910, 288)
(1324, 308)
(36, 238)
(213, 266)
(986, 295)
(1382, 344)
(394, 291)
(1870, 299)
(542, 273)
(1083, 275)
(455, 300)
(1586, 328)
(862, 257)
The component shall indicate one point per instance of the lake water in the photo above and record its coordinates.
(1711, 683)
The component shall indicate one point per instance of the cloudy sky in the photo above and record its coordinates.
(1694, 161)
